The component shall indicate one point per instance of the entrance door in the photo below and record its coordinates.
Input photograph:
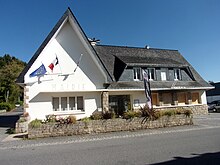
(119, 104)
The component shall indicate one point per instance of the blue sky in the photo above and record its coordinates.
(190, 26)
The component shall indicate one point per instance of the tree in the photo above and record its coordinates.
(10, 68)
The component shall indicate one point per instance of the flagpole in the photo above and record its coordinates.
(78, 63)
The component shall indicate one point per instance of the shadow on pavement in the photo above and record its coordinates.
(201, 159)
(9, 121)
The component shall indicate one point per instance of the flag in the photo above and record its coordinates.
(53, 63)
(119, 67)
(147, 89)
(39, 71)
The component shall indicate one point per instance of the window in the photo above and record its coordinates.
(137, 73)
(55, 102)
(64, 103)
(80, 103)
(151, 73)
(163, 76)
(68, 103)
(72, 103)
(177, 74)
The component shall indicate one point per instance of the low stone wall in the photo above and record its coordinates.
(196, 109)
(21, 127)
(103, 126)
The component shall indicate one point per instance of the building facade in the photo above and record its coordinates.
(71, 75)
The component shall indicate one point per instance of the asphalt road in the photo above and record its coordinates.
(198, 144)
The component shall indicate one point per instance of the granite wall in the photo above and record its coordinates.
(103, 126)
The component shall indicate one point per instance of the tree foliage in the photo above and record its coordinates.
(10, 68)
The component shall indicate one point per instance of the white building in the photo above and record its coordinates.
(86, 78)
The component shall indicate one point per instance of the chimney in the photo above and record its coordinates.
(147, 47)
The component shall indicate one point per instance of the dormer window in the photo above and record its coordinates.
(177, 75)
(151, 73)
(137, 73)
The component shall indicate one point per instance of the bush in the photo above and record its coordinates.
(22, 119)
(131, 114)
(169, 112)
(6, 106)
(187, 112)
(158, 114)
(97, 116)
(71, 119)
(50, 118)
(35, 123)
(108, 115)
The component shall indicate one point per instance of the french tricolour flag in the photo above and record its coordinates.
(53, 63)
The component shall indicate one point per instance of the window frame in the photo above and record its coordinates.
(137, 76)
(176, 71)
(68, 108)
(150, 72)
(163, 75)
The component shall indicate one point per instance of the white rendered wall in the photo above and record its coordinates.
(41, 105)
(87, 78)
(203, 97)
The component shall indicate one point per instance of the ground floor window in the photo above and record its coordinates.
(195, 98)
(68, 103)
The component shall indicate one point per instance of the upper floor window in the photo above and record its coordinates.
(151, 73)
(177, 75)
(137, 73)
(163, 75)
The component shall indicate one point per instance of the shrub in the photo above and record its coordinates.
(96, 116)
(35, 123)
(6, 106)
(138, 113)
(85, 119)
(26, 114)
(131, 114)
(187, 112)
(158, 114)
(10, 131)
(71, 119)
(128, 115)
(108, 115)
(50, 118)
(148, 113)
(22, 119)
(169, 112)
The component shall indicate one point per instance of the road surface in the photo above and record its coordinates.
(198, 144)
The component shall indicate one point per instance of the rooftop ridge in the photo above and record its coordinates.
(134, 47)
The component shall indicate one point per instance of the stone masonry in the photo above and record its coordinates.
(103, 126)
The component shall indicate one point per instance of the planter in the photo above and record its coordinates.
(103, 126)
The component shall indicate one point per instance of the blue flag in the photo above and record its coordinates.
(39, 71)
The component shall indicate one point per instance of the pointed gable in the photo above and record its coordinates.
(69, 23)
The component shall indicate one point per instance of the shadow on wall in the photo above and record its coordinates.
(74, 48)
(41, 97)
(200, 159)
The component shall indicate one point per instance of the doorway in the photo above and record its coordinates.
(119, 104)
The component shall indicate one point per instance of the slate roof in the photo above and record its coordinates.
(143, 57)
(131, 56)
